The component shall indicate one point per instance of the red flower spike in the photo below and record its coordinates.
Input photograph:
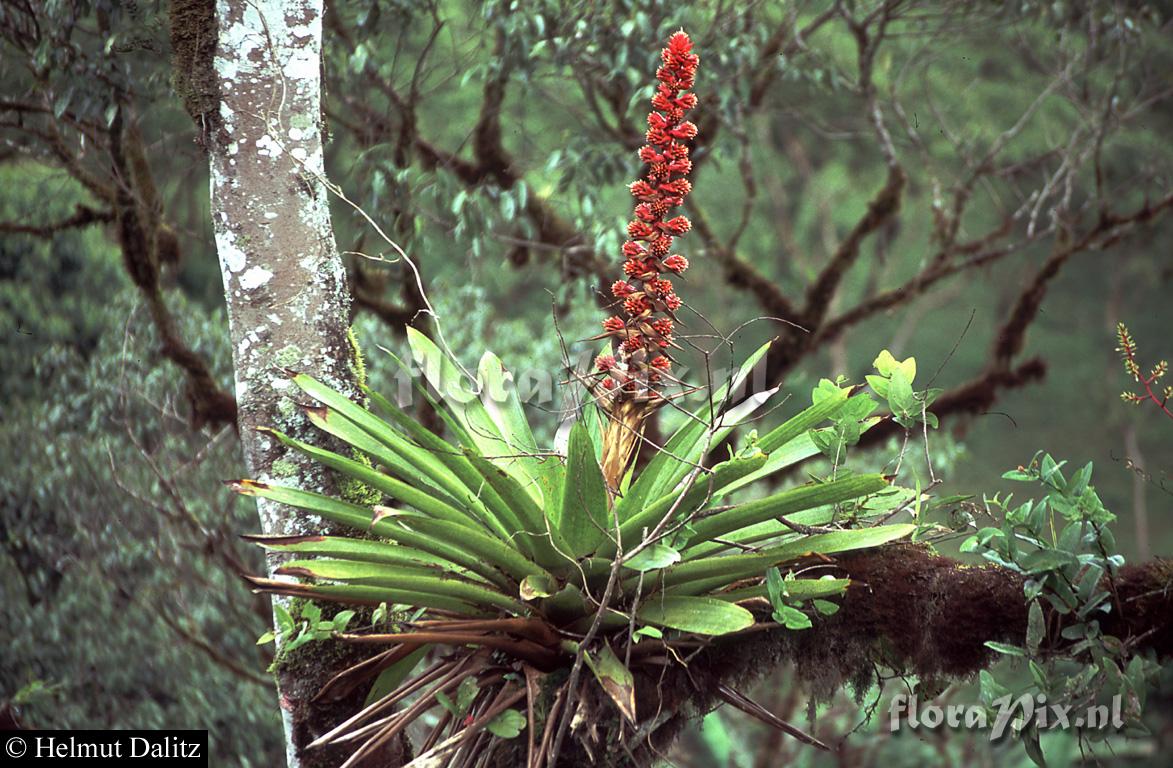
(643, 331)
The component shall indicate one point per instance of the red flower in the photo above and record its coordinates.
(636, 305)
(649, 155)
(659, 287)
(633, 249)
(646, 295)
(640, 230)
(643, 190)
(685, 130)
(680, 187)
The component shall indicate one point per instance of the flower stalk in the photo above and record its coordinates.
(628, 380)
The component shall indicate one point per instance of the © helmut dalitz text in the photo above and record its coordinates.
(168, 747)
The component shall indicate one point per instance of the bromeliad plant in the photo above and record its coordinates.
(515, 567)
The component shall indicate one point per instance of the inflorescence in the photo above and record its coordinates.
(641, 333)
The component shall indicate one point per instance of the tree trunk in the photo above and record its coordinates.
(284, 281)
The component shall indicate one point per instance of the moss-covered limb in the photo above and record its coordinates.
(932, 615)
(911, 611)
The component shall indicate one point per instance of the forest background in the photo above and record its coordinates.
(982, 185)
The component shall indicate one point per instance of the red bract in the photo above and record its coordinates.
(648, 296)
(620, 289)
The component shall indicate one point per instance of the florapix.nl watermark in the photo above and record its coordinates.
(1005, 715)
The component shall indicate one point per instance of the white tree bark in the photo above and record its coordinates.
(285, 284)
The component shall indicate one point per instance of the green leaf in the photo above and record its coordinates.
(1005, 648)
(826, 607)
(1044, 560)
(1034, 750)
(460, 400)
(775, 587)
(583, 517)
(352, 549)
(792, 618)
(787, 455)
(717, 739)
(706, 425)
(1035, 627)
(653, 557)
(266, 638)
(544, 541)
(879, 504)
(534, 587)
(448, 704)
(507, 725)
(708, 573)
(825, 408)
(651, 632)
(364, 594)
(483, 500)
(797, 589)
(500, 400)
(990, 689)
(285, 622)
(402, 578)
(488, 548)
(396, 489)
(705, 487)
(700, 615)
(358, 427)
(466, 693)
(393, 676)
(480, 553)
(887, 365)
(785, 503)
(615, 678)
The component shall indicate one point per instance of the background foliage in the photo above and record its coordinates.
(493, 141)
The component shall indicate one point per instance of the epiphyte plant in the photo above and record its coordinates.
(511, 568)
